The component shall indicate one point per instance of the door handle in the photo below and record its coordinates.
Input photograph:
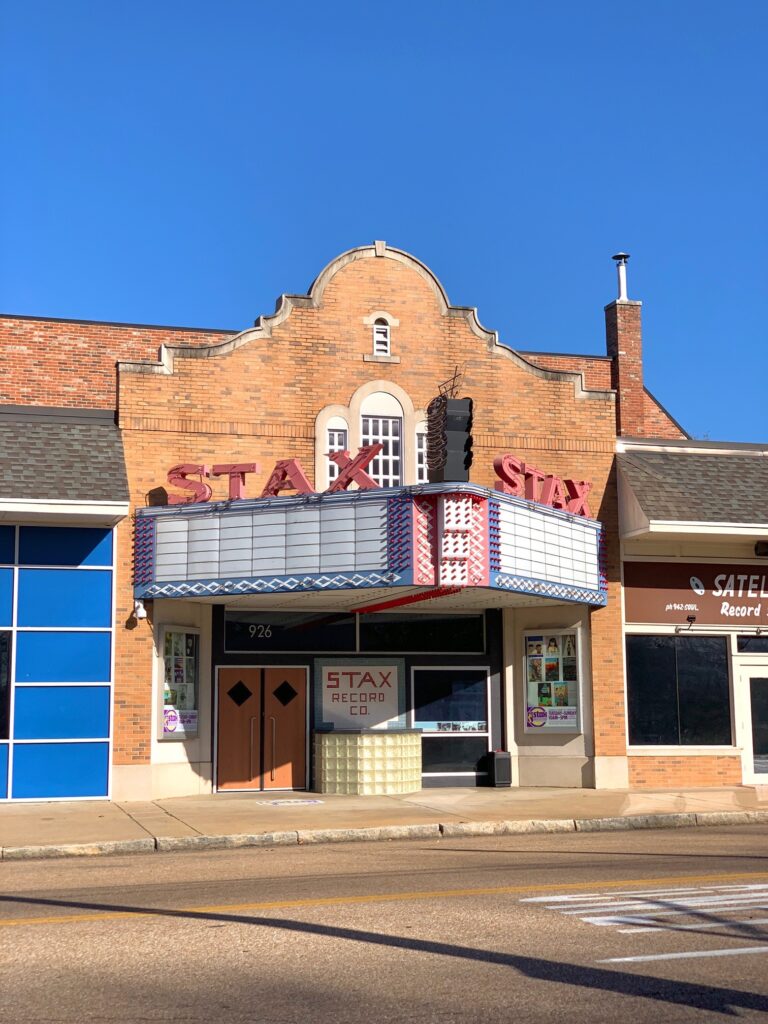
(250, 752)
(272, 756)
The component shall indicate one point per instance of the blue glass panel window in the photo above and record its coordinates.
(7, 544)
(5, 683)
(61, 713)
(64, 597)
(6, 597)
(3, 770)
(65, 545)
(44, 657)
(48, 770)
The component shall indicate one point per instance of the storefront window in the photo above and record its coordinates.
(289, 631)
(752, 644)
(5, 683)
(552, 681)
(450, 706)
(425, 633)
(678, 691)
(181, 665)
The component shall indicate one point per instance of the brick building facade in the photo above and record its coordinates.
(355, 362)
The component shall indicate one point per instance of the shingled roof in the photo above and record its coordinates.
(61, 454)
(685, 486)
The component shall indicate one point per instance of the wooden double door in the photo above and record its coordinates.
(262, 728)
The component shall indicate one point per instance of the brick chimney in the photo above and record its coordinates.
(624, 343)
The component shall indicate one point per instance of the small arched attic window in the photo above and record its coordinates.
(381, 337)
(381, 323)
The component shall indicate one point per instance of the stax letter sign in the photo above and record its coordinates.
(360, 696)
(287, 475)
(524, 481)
(515, 477)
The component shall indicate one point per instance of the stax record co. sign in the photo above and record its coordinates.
(515, 477)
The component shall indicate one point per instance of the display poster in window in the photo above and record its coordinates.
(552, 682)
(180, 685)
(360, 696)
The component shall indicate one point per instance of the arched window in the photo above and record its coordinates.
(422, 475)
(337, 433)
(381, 422)
(381, 337)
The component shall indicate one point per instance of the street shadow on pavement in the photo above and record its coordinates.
(727, 1001)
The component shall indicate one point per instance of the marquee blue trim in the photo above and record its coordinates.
(273, 584)
(548, 588)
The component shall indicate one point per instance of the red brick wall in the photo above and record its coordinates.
(624, 344)
(62, 363)
(669, 772)
(597, 372)
(596, 369)
(658, 424)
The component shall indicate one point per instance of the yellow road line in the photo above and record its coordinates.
(388, 897)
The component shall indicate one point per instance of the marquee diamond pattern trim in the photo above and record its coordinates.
(424, 515)
(542, 588)
(271, 585)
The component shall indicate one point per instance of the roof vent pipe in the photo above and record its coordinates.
(621, 268)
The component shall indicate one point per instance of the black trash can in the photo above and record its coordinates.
(499, 768)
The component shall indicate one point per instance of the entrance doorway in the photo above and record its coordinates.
(756, 732)
(262, 728)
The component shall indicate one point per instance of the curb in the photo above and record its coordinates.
(79, 849)
(449, 830)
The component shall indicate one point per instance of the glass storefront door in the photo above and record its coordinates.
(758, 732)
(752, 702)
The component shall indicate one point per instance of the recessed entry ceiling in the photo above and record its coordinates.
(470, 599)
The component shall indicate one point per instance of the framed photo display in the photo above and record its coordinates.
(181, 669)
(552, 664)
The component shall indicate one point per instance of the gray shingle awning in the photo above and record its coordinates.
(61, 463)
(682, 488)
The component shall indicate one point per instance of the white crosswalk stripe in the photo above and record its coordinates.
(671, 910)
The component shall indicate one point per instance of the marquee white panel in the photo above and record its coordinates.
(225, 543)
(547, 546)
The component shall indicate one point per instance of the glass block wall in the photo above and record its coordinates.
(56, 635)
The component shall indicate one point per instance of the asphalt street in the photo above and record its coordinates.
(644, 926)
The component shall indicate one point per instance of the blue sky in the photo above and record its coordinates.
(183, 163)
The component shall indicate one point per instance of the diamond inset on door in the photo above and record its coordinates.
(285, 693)
(239, 693)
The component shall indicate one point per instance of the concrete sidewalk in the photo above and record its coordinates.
(80, 828)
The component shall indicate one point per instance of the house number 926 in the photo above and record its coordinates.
(260, 632)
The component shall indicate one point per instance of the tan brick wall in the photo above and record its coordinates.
(674, 772)
(259, 403)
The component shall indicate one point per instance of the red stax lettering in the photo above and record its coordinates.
(288, 475)
(553, 492)
(519, 479)
(353, 470)
(177, 475)
(355, 678)
(533, 477)
(509, 471)
(578, 497)
(236, 472)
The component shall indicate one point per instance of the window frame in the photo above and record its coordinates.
(636, 749)
(381, 337)
(371, 437)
